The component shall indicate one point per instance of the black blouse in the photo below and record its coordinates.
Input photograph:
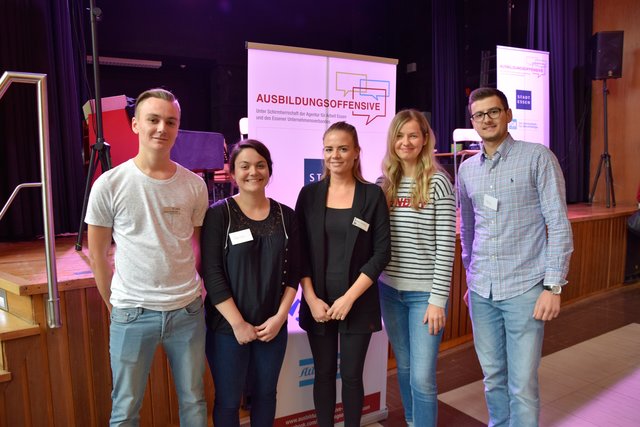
(254, 272)
(336, 227)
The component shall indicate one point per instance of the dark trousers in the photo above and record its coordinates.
(353, 350)
(231, 364)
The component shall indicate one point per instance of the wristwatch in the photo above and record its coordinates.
(554, 289)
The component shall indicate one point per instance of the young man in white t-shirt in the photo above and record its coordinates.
(153, 209)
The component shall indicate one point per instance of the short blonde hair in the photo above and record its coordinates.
(156, 93)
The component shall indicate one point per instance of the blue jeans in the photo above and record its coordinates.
(135, 335)
(232, 363)
(508, 342)
(415, 350)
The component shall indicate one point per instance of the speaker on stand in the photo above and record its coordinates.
(607, 64)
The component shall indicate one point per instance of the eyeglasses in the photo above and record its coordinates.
(493, 113)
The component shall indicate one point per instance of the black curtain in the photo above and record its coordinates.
(447, 88)
(41, 36)
(563, 28)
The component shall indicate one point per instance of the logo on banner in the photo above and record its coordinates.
(367, 95)
(514, 124)
(308, 372)
(312, 170)
(523, 99)
(354, 95)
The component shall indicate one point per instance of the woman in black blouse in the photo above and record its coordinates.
(249, 250)
(344, 223)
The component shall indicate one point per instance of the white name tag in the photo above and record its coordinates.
(240, 236)
(490, 202)
(362, 225)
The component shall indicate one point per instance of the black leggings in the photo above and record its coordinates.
(353, 350)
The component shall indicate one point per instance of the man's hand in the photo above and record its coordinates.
(99, 239)
(547, 307)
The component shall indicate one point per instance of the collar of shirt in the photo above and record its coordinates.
(502, 152)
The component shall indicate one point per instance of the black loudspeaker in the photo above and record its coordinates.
(607, 54)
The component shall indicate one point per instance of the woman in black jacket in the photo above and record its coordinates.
(344, 224)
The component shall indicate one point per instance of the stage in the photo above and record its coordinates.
(63, 375)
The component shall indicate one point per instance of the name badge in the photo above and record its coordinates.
(241, 236)
(490, 202)
(362, 225)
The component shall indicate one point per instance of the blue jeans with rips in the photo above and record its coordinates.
(508, 341)
(415, 350)
(135, 335)
(232, 363)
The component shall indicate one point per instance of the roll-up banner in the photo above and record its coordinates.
(523, 76)
(295, 94)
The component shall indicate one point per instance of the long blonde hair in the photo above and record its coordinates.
(426, 167)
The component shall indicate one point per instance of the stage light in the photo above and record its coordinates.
(126, 62)
(244, 127)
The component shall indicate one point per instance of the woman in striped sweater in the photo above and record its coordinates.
(414, 287)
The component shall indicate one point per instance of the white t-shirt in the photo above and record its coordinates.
(152, 222)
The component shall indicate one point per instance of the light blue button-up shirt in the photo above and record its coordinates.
(514, 226)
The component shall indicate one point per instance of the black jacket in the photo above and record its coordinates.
(368, 252)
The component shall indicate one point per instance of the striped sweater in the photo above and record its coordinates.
(423, 241)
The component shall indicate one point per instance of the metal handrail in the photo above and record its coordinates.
(40, 80)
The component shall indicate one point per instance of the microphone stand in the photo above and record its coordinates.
(100, 151)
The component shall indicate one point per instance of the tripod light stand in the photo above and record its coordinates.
(99, 150)
(605, 159)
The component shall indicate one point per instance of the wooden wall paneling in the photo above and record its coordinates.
(465, 325)
(574, 277)
(173, 395)
(146, 416)
(209, 390)
(454, 320)
(56, 349)
(593, 238)
(3, 403)
(458, 329)
(157, 393)
(27, 394)
(77, 326)
(465, 320)
(618, 251)
(450, 325)
(100, 363)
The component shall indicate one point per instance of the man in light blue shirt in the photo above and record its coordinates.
(516, 244)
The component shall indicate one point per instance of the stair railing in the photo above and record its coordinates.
(40, 80)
